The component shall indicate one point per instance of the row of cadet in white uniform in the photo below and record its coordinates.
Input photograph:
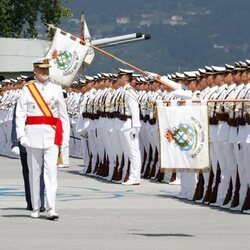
(229, 145)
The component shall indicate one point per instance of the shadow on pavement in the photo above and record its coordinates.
(186, 201)
(13, 208)
(16, 216)
(163, 235)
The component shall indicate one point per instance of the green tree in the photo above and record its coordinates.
(19, 18)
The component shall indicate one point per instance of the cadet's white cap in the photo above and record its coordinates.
(237, 66)
(89, 78)
(82, 82)
(218, 69)
(180, 75)
(247, 61)
(209, 70)
(229, 67)
(191, 74)
(202, 71)
(105, 75)
(23, 77)
(13, 80)
(243, 64)
(125, 71)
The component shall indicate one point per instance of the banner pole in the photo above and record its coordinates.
(51, 26)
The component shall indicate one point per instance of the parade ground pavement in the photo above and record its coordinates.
(96, 214)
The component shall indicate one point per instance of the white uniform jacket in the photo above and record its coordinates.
(131, 108)
(41, 136)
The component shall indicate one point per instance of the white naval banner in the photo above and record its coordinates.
(184, 142)
(66, 57)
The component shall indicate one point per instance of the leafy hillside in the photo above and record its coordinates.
(185, 34)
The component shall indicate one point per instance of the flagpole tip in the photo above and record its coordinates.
(82, 17)
(50, 26)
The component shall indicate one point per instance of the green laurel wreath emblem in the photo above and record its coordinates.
(64, 60)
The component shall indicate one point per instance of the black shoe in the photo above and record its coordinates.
(29, 208)
(42, 209)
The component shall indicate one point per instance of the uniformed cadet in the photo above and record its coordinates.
(73, 110)
(215, 92)
(245, 171)
(130, 126)
(240, 115)
(42, 126)
(83, 121)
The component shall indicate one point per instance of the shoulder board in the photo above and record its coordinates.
(128, 87)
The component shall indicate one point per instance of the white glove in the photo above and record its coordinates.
(24, 141)
(134, 132)
(15, 150)
(151, 75)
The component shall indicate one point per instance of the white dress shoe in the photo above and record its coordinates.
(217, 203)
(238, 208)
(82, 172)
(130, 183)
(109, 177)
(227, 206)
(190, 196)
(199, 201)
(52, 215)
(246, 211)
(180, 196)
(35, 214)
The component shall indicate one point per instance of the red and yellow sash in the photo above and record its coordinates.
(48, 118)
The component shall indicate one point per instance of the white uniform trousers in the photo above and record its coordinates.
(92, 148)
(242, 173)
(142, 140)
(65, 155)
(155, 137)
(116, 150)
(246, 155)
(78, 145)
(214, 161)
(99, 143)
(146, 142)
(131, 145)
(188, 184)
(86, 151)
(123, 143)
(230, 162)
(223, 186)
(36, 159)
(153, 142)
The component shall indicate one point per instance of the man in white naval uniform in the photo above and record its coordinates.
(41, 133)
(131, 127)
(237, 202)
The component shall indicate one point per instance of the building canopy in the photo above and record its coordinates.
(17, 54)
